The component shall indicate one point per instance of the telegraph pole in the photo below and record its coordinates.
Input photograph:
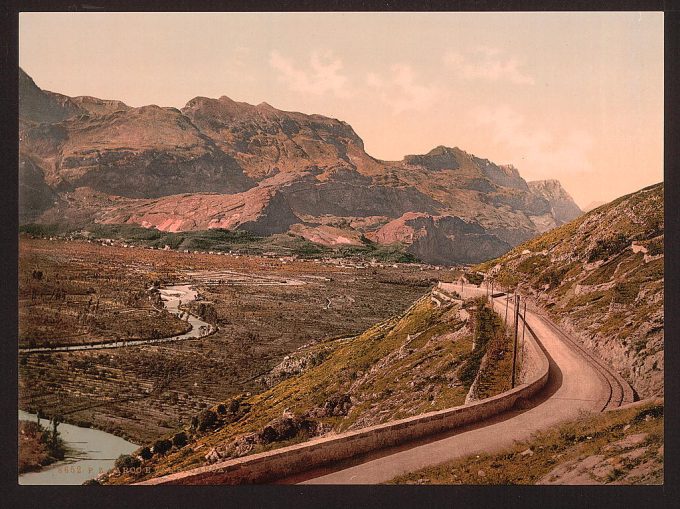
(524, 326)
(514, 348)
(507, 300)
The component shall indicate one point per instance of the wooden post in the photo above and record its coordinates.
(514, 348)
(507, 300)
(524, 326)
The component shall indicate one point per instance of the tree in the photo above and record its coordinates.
(206, 419)
(162, 446)
(125, 462)
(180, 439)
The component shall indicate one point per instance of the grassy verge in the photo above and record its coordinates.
(619, 447)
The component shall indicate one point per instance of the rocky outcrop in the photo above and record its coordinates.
(261, 210)
(35, 196)
(266, 140)
(562, 205)
(138, 153)
(441, 239)
(96, 106)
(41, 106)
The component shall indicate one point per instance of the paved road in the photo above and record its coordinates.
(575, 384)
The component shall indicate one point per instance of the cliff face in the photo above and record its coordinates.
(440, 238)
(602, 276)
(218, 163)
(563, 207)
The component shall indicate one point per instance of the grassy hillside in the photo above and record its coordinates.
(602, 277)
(407, 365)
(619, 447)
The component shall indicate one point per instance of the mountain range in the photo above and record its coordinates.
(218, 163)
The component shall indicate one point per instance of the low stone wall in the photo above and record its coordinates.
(270, 465)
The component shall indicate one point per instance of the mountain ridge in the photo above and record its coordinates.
(138, 161)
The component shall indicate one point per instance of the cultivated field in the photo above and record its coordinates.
(265, 308)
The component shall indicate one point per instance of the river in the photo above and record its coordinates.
(91, 453)
(172, 297)
(94, 451)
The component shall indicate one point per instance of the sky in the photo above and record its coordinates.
(572, 96)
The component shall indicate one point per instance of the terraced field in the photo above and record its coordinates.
(148, 391)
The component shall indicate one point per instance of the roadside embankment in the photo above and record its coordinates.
(298, 458)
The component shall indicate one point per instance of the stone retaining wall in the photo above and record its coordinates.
(286, 461)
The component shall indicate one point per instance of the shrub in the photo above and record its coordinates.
(206, 419)
(162, 446)
(604, 248)
(474, 278)
(655, 247)
(626, 293)
(146, 453)
(125, 461)
(180, 439)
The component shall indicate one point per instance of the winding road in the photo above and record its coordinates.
(577, 383)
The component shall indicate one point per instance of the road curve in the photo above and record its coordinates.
(576, 383)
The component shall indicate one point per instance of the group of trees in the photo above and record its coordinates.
(51, 437)
(160, 447)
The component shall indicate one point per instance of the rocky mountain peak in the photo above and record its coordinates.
(37, 105)
(563, 206)
(439, 158)
(268, 171)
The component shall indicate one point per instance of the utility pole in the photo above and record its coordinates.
(524, 326)
(507, 300)
(514, 348)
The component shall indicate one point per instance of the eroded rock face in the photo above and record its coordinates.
(264, 139)
(137, 153)
(441, 239)
(261, 210)
(218, 163)
(563, 206)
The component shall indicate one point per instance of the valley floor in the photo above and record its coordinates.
(101, 292)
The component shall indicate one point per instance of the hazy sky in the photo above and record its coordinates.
(572, 96)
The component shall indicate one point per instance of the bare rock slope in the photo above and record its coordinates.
(218, 163)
